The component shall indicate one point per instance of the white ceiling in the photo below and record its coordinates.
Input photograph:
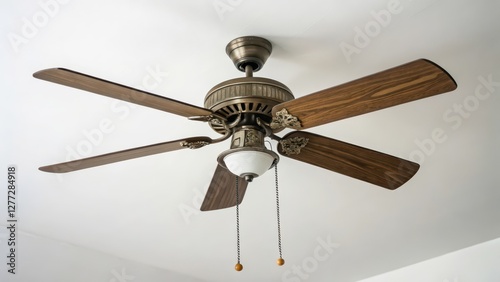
(146, 210)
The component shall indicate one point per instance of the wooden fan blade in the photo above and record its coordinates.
(412, 81)
(364, 164)
(114, 90)
(222, 190)
(127, 154)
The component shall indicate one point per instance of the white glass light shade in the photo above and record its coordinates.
(248, 163)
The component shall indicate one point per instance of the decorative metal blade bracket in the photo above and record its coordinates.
(194, 144)
(284, 119)
(292, 146)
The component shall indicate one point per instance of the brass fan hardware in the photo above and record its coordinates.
(238, 266)
(280, 261)
(249, 51)
(194, 144)
(292, 146)
(250, 109)
(247, 144)
(283, 119)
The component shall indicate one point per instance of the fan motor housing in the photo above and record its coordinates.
(255, 95)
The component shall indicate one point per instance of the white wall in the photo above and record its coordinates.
(479, 263)
(45, 260)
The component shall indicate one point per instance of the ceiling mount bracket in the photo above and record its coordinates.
(250, 51)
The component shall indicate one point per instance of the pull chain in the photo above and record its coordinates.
(238, 265)
(279, 261)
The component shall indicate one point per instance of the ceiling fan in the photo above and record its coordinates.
(249, 108)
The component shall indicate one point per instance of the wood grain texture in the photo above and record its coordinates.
(364, 164)
(222, 190)
(409, 82)
(114, 90)
(121, 155)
